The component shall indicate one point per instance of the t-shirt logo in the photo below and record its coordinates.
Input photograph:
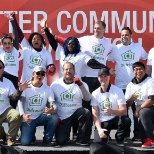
(105, 104)
(9, 58)
(1, 91)
(67, 95)
(36, 60)
(98, 49)
(139, 94)
(35, 100)
(128, 55)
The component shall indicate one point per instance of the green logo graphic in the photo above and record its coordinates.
(67, 95)
(139, 94)
(35, 100)
(98, 49)
(1, 91)
(36, 60)
(105, 104)
(71, 60)
(9, 58)
(128, 55)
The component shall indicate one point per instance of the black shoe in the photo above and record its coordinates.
(136, 138)
(82, 142)
(120, 144)
(52, 143)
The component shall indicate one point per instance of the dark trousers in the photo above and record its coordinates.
(119, 123)
(14, 80)
(136, 124)
(146, 123)
(93, 84)
(63, 130)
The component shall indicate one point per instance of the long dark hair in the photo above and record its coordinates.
(77, 46)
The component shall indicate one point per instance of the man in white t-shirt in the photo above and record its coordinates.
(150, 63)
(69, 92)
(141, 90)
(109, 110)
(7, 113)
(125, 54)
(37, 108)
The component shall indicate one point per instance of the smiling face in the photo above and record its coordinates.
(38, 76)
(126, 37)
(139, 73)
(7, 44)
(104, 80)
(71, 46)
(36, 42)
(99, 30)
(68, 72)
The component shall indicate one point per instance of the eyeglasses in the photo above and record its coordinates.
(1, 67)
(39, 73)
(5, 43)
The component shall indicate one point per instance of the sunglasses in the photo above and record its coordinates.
(5, 43)
(1, 67)
(39, 73)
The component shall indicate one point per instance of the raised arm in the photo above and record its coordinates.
(49, 35)
(20, 33)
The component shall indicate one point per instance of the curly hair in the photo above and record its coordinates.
(76, 49)
(32, 35)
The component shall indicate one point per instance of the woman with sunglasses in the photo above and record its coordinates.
(34, 53)
(9, 56)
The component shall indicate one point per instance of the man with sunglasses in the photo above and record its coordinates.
(37, 108)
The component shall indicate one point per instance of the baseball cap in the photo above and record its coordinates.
(104, 71)
(38, 69)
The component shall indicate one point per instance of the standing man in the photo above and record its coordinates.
(37, 108)
(141, 90)
(69, 92)
(109, 109)
(125, 54)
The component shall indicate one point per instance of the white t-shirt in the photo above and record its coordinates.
(113, 98)
(10, 60)
(150, 61)
(68, 97)
(6, 89)
(79, 61)
(32, 58)
(125, 56)
(36, 99)
(142, 90)
(97, 49)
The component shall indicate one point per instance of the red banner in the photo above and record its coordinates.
(77, 18)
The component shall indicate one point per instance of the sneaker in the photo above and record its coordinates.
(83, 143)
(120, 144)
(136, 138)
(18, 138)
(10, 142)
(52, 143)
(149, 143)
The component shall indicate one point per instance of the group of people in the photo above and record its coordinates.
(83, 93)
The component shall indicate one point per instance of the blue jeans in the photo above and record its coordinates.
(28, 131)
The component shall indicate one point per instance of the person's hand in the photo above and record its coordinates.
(102, 134)
(134, 97)
(108, 111)
(77, 81)
(26, 118)
(112, 72)
(43, 23)
(51, 68)
(23, 86)
(136, 113)
(49, 110)
(8, 16)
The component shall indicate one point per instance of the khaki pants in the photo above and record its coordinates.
(14, 119)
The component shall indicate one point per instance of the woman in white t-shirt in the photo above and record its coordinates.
(34, 53)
